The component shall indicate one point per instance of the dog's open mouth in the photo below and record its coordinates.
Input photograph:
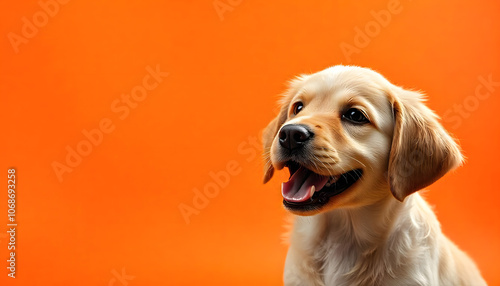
(306, 190)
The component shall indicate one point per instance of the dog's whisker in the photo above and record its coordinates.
(371, 167)
(328, 169)
(314, 162)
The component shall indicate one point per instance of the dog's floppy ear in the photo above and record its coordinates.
(267, 139)
(422, 151)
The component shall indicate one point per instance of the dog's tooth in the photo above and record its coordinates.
(328, 184)
(313, 189)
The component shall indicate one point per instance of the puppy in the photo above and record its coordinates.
(358, 148)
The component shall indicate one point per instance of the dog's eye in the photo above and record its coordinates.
(355, 116)
(297, 107)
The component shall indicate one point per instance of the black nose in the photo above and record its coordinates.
(293, 136)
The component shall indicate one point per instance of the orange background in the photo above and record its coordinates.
(119, 207)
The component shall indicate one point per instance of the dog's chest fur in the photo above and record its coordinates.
(367, 247)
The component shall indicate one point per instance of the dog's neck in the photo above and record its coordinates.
(360, 225)
(384, 231)
(366, 225)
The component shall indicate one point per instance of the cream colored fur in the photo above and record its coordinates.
(380, 231)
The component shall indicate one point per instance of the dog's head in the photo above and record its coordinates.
(349, 138)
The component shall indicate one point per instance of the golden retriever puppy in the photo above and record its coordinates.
(358, 148)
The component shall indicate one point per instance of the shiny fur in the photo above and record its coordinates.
(379, 231)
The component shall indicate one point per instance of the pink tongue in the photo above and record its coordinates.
(298, 188)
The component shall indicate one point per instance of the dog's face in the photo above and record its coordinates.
(350, 138)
